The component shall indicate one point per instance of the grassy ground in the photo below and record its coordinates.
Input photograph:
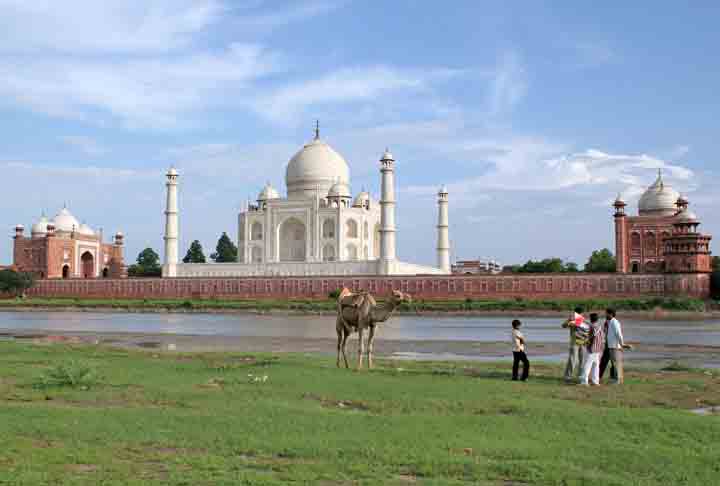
(214, 419)
(467, 305)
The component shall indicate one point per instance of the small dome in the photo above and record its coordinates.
(686, 216)
(40, 228)
(119, 234)
(65, 221)
(268, 193)
(86, 230)
(361, 199)
(443, 189)
(387, 155)
(317, 166)
(172, 171)
(659, 199)
(339, 189)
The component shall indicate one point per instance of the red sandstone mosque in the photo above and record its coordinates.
(65, 248)
(663, 237)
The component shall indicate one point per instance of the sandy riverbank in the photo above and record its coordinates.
(653, 356)
(655, 314)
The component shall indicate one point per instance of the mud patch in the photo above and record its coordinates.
(325, 402)
(82, 468)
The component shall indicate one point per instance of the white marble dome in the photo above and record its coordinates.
(268, 193)
(339, 189)
(40, 228)
(65, 221)
(361, 199)
(686, 216)
(316, 167)
(86, 230)
(659, 199)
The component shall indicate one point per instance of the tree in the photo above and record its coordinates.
(716, 264)
(195, 253)
(601, 261)
(226, 251)
(16, 283)
(571, 267)
(148, 264)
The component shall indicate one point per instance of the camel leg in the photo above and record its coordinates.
(339, 328)
(346, 334)
(371, 336)
(361, 348)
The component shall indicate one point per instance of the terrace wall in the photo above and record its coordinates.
(528, 286)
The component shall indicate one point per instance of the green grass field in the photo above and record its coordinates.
(329, 305)
(136, 418)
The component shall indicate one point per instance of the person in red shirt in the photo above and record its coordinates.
(575, 352)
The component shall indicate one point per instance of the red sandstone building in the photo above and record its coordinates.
(663, 237)
(64, 248)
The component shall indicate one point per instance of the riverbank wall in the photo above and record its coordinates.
(450, 287)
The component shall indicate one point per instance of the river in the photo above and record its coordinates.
(400, 328)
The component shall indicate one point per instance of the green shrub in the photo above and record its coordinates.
(334, 294)
(72, 373)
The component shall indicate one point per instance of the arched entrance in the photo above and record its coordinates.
(66, 271)
(87, 264)
(106, 272)
(292, 241)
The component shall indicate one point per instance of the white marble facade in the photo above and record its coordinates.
(319, 228)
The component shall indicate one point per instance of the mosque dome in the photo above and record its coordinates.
(268, 193)
(65, 221)
(686, 216)
(40, 228)
(316, 167)
(86, 230)
(659, 199)
(339, 189)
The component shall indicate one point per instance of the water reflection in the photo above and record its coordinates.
(483, 329)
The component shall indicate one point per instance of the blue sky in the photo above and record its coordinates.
(535, 115)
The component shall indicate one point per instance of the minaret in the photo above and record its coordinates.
(171, 225)
(443, 237)
(387, 214)
(621, 236)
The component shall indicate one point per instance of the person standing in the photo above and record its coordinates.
(572, 368)
(605, 359)
(518, 347)
(591, 363)
(616, 344)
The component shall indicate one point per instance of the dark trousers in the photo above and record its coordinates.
(604, 360)
(519, 356)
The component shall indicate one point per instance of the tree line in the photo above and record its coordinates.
(148, 264)
(601, 261)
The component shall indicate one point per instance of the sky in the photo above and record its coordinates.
(534, 114)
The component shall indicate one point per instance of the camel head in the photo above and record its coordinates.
(399, 297)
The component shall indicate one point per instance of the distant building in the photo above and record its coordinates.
(663, 237)
(317, 228)
(480, 266)
(64, 248)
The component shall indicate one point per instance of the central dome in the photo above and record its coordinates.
(659, 200)
(315, 169)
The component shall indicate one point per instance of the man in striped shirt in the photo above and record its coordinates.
(595, 348)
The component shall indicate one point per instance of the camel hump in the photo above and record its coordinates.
(353, 300)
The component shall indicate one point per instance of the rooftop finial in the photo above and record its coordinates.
(317, 129)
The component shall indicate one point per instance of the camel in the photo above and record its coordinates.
(357, 312)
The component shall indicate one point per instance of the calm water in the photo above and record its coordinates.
(487, 329)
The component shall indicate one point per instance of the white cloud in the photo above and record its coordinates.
(509, 83)
(149, 91)
(98, 174)
(344, 85)
(87, 145)
(124, 26)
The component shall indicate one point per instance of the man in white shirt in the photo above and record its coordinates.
(615, 343)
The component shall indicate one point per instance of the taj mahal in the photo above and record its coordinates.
(319, 228)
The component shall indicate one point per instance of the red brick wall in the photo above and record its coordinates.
(431, 287)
